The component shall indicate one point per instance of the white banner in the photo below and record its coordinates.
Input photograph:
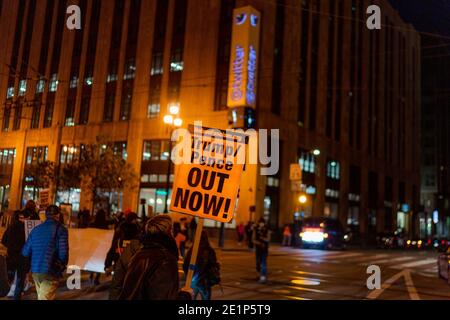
(88, 248)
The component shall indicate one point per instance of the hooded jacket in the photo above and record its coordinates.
(152, 273)
(14, 237)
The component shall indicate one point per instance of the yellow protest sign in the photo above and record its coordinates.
(207, 186)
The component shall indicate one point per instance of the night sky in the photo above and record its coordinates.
(431, 16)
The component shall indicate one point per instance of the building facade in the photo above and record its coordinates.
(326, 81)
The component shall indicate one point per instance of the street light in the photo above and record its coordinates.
(316, 152)
(302, 199)
(173, 121)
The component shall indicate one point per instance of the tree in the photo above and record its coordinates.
(42, 174)
(104, 171)
(69, 177)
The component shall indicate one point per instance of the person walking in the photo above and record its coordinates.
(152, 272)
(287, 236)
(48, 248)
(261, 239)
(100, 222)
(84, 218)
(17, 265)
(207, 269)
(240, 230)
(128, 230)
(249, 233)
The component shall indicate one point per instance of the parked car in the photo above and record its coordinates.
(323, 233)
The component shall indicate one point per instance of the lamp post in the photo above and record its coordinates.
(172, 121)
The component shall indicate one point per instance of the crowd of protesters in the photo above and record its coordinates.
(143, 259)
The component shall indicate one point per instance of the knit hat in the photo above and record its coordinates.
(159, 224)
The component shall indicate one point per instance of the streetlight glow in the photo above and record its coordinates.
(178, 122)
(302, 199)
(316, 152)
(174, 108)
(168, 119)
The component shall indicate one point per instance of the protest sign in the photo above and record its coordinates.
(208, 186)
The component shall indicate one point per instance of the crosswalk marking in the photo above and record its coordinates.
(415, 264)
(376, 256)
(387, 260)
(346, 255)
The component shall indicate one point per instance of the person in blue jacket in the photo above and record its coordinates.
(48, 248)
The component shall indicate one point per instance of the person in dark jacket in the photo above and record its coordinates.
(30, 210)
(100, 222)
(206, 261)
(125, 232)
(152, 273)
(14, 239)
(48, 248)
(84, 218)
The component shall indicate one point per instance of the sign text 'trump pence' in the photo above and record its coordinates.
(208, 186)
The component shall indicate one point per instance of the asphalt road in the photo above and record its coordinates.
(300, 274)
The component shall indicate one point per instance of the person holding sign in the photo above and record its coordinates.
(152, 273)
(207, 269)
(48, 248)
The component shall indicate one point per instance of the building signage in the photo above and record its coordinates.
(244, 58)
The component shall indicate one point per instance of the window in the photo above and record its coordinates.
(70, 113)
(84, 111)
(333, 169)
(73, 82)
(53, 86)
(88, 76)
(35, 117)
(130, 69)
(40, 85)
(307, 162)
(22, 87)
(70, 154)
(153, 110)
(36, 155)
(10, 93)
(48, 116)
(108, 113)
(112, 74)
(157, 64)
(430, 180)
(125, 106)
(120, 148)
(155, 150)
(176, 61)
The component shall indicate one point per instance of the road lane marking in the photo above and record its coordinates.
(415, 264)
(387, 260)
(296, 298)
(312, 274)
(377, 256)
(309, 289)
(389, 282)
(346, 255)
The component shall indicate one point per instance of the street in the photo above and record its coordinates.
(299, 274)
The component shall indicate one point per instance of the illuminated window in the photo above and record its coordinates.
(22, 87)
(333, 169)
(73, 82)
(48, 115)
(36, 155)
(176, 61)
(40, 85)
(88, 76)
(130, 69)
(112, 74)
(153, 110)
(155, 150)
(10, 93)
(70, 113)
(157, 63)
(307, 162)
(53, 86)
